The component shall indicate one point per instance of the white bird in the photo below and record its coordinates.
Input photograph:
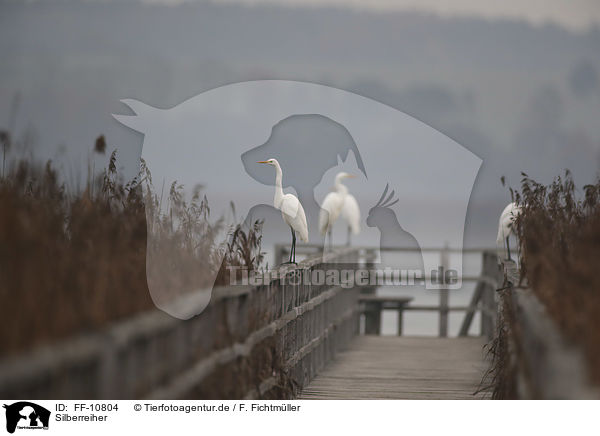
(351, 214)
(506, 228)
(339, 202)
(291, 209)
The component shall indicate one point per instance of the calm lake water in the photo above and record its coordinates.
(426, 323)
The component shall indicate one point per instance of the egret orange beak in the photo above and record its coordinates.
(351, 176)
(262, 161)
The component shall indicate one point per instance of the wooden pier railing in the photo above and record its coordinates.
(541, 362)
(484, 298)
(250, 342)
(265, 341)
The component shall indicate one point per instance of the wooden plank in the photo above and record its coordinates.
(383, 299)
(444, 296)
(488, 313)
(436, 308)
(391, 367)
(511, 272)
(312, 248)
(427, 277)
(400, 321)
(551, 367)
(372, 313)
(466, 324)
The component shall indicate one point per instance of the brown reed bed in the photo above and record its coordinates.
(559, 233)
(73, 262)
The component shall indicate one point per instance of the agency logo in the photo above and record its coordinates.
(25, 415)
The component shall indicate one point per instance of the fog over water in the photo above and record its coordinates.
(521, 91)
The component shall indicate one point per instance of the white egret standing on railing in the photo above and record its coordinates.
(505, 228)
(351, 214)
(291, 209)
(334, 204)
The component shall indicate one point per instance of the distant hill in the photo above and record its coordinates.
(510, 92)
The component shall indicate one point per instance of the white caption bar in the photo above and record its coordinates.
(297, 417)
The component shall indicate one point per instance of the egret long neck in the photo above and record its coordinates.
(339, 187)
(278, 188)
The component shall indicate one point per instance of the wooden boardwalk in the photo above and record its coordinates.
(392, 367)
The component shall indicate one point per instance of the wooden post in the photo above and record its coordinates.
(372, 310)
(487, 310)
(477, 293)
(373, 318)
(488, 271)
(484, 323)
(279, 249)
(443, 331)
(400, 319)
(369, 265)
(489, 307)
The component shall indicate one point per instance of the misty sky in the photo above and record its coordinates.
(576, 15)
(521, 95)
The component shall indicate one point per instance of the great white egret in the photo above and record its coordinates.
(505, 228)
(351, 214)
(337, 202)
(290, 207)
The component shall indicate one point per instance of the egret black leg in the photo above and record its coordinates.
(330, 240)
(508, 248)
(294, 245)
(348, 240)
(292, 249)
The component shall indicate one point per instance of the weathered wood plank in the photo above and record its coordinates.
(388, 367)
(466, 324)
(550, 366)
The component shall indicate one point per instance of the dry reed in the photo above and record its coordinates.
(71, 263)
